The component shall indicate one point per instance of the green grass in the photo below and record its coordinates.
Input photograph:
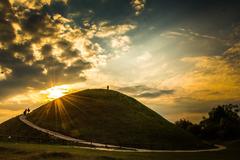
(107, 116)
(21, 151)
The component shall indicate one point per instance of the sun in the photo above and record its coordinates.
(56, 92)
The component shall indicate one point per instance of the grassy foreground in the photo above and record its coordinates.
(23, 151)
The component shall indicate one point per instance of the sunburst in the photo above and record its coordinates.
(56, 92)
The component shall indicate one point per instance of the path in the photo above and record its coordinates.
(107, 147)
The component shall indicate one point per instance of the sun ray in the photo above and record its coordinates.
(70, 101)
(63, 113)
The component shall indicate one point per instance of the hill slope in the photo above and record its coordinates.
(16, 131)
(107, 116)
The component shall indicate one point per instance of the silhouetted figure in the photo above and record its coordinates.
(28, 110)
(107, 87)
(25, 112)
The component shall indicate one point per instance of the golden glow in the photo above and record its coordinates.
(56, 92)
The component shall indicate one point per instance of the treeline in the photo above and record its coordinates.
(222, 123)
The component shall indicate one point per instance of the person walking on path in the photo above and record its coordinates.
(25, 112)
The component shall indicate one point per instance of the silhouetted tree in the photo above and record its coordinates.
(223, 122)
(184, 124)
(189, 126)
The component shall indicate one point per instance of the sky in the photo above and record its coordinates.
(180, 58)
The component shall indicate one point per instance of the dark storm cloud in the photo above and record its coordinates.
(46, 50)
(22, 75)
(143, 91)
(114, 11)
(52, 65)
(23, 49)
(35, 22)
(39, 24)
(78, 66)
(5, 7)
(6, 29)
(68, 49)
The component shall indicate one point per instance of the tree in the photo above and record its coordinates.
(222, 123)
(189, 126)
(184, 124)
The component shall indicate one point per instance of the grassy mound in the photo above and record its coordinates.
(107, 116)
(14, 130)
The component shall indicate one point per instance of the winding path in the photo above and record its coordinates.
(107, 147)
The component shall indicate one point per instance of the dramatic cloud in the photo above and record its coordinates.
(171, 56)
(212, 80)
(155, 94)
(34, 4)
(134, 89)
(216, 74)
(38, 47)
(121, 42)
(138, 5)
(4, 73)
(187, 33)
(24, 52)
(104, 30)
(143, 91)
